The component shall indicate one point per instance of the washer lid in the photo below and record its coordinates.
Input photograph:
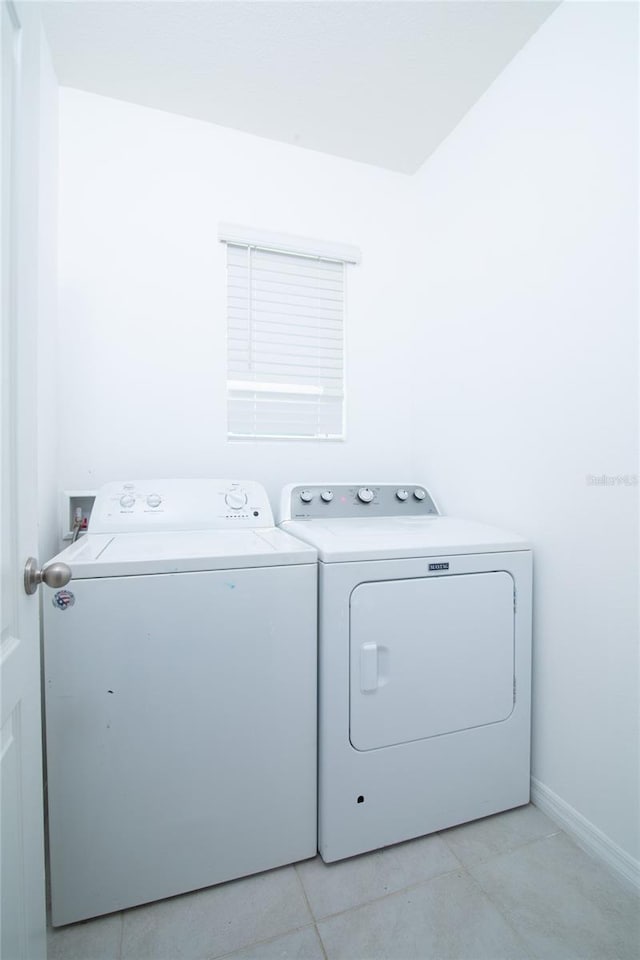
(388, 538)
(133, 554)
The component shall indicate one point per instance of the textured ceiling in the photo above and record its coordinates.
(380, 82)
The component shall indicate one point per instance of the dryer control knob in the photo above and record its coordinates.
(127, 501)
(419, 494)
(306, 496)
(154, 500)
(235, 499)
(402, 494)
(365, 494)
(327, 496)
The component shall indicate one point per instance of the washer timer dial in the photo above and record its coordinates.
(365, 495)
(235, 499)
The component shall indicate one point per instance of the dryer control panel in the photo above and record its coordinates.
(130, 506)
(314, 501)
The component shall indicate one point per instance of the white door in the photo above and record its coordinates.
(22, 919)
(430, 656)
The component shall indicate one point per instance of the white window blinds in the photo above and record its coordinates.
(285, 320)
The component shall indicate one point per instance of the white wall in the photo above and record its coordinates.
(527, 373)
(142, 307)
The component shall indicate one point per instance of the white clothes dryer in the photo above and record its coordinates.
(180, 688)
(424, 663)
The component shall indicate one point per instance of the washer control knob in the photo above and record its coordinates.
(327, 496)
(154, 500)
(419, 494)
(306, 496)
(402, 494)
(127, 501)
(365, 494)
(235, 499)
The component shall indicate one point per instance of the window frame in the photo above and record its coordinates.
(300, 247)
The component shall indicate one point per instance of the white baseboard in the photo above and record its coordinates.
(586, 835)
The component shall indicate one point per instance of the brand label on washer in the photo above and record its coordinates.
(63, 599)
(438, 566)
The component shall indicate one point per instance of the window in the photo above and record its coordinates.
(285, 326)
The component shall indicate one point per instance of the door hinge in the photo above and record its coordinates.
(515, 605)
(514, 689)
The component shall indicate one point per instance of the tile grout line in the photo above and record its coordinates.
(121, 946)
(504, 916)
(391, 893)
(521, 846)
(418, 883)
(283, 933)
(310, 908)
(503, 913)
(450, 849)
(302, 887)
(314, 921)
(504, 853)
(412, 886)
(321, 941)
(257, 943)
(308, 903)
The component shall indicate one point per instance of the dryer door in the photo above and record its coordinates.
(430, 656)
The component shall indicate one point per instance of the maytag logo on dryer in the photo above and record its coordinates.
(438, 566)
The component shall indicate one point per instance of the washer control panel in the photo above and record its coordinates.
(140, 506)
(339, 500)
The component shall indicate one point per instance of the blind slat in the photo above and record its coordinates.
(282, 273)
(287, 293)
(237, 335)
(313, 326)
(309, 353)
(279, 308)
(280, 369)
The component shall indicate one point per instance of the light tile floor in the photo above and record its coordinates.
(509, 886)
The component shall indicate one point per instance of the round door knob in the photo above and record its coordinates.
(419, 494)
(402, 494)
(306, 496)
(365, 494)
(55, 575)
(236, 499)
(327, 495)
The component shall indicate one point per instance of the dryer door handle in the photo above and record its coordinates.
(368, 667)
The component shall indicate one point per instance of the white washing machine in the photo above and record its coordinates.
(424, 663)
(180, 677)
